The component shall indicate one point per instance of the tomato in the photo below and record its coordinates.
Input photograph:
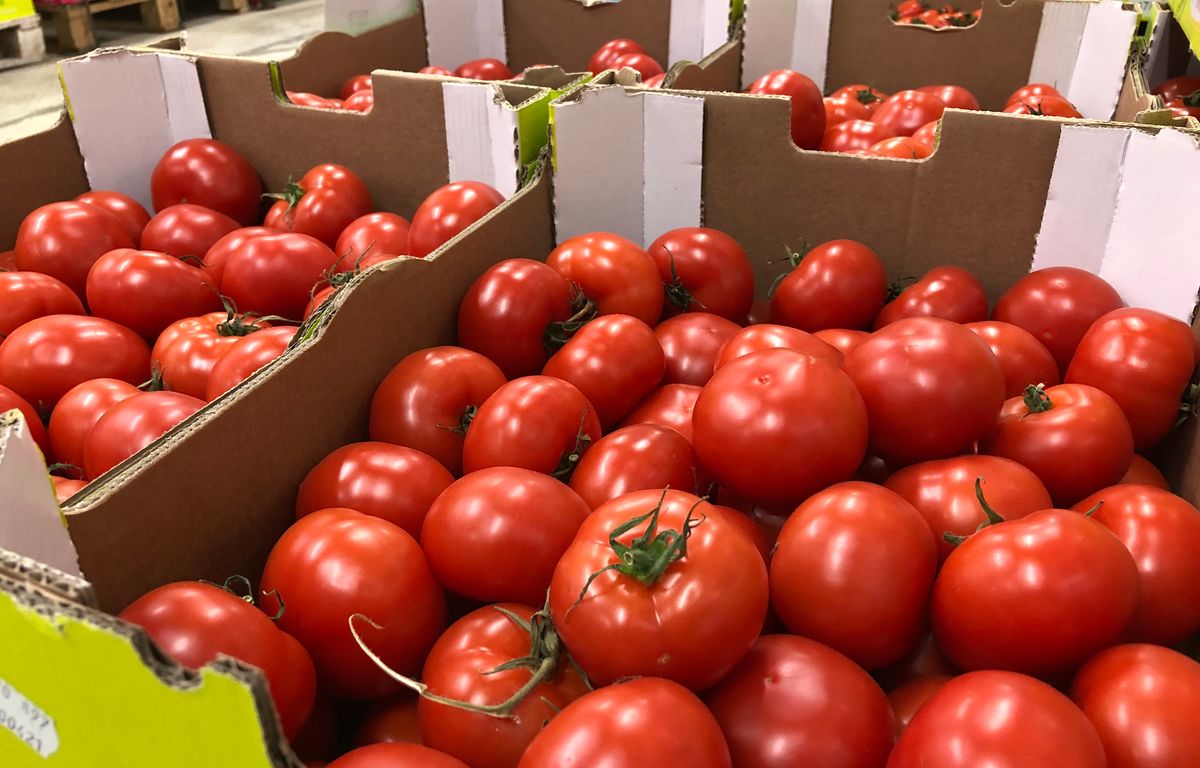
(8, 261)
(644, 64)
(146, 290)
(792, 702)
(78, 411)
(1050, 106)
(1012, 596)
(373, 233)
(484, 69)
(210, 173)
(900, 147)
(194, 622)
(246, 356)
(186, 230)
(840, 109)
(129, 211)
(1032, 91)
(44, 358)
(932, 18)
(690, 343)
(757, 338)
(219, 253)
(1142, 700)
(661, 605)
(275, 274)
(536, 422)
(808, 108)
(931, 388)
(704, 270)
(361, 101)
(389, 720)
(63, 240)
(187, 350)
(1142, 472)
(777, 426)
(927, 134)
(906, 111)
(396, 756)
(1178, 87)
(670, 406)
(26, 296)
(1187, 107)
(635, 458)
(624, 725)
(842, 339)
(870, 97)
(1074, 438)
(10, 400)
(910, 8)
(838, 284)
(318, 299)
(924, 660)
(853, 135)
(337, 563)
(943, 491)
(951, 293)
(853, 568)
(131, 425)
(615, 274)
(1162, 532)
(323, 203)
(953, 96)
(355, 84)
(65, 488)
(447, 212)
(615, 361)
(1025, 360)
(305, 99)
(606, 54)
(435, 71)
(655, 81)
(999, 719)
(908, 698)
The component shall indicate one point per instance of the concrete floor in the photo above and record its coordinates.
(31, 99)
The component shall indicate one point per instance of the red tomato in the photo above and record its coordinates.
(841, 339)
(1162, 532)
(511, 309)
(1025, 360)
(908, 698)
(65, 488)
(1057, 305)
(1011, 596)
(910, 8)
(615, 274)
(953, 96)
(839, 109)
(757, 338)
(1074, 438)
(10, 400)
(808, 109)
(146, 290)
(865, 94)
(26, 296)
(615, 361)
(219, 253)
(793, 702)
(951, 293)
(536, 422)
(1142, 472)
(659, 604)
(462, 667)
(63, 240)
(1141, 699)
(927, 134)
(900, 147)
(1189, 107)
(931, 18)
(998, 719)
(1032, 91)
(435, 71)
(623, 725)
(655, 81)
(1144, 360)
(447, 212)
(323, 203)
(195, 622)
(645, 65)
(318, 299)
(906, 111)
(777, 426)
(1048, 105)
(186, 230)
(304, 99)
(188, 349)
(78, 411)
(838, 284)
(496, 534)
(853, 568)
(636, 458)
(275, 274)
(44, 358)
(704, 270)
(354, 85)
(245, 356)
(335, 564)
(690, 343)
(361, 101)
(853, 135)
(484, 69)
(209, 173)
(373, 233)
(924, 660)
(388, 721)
(129, 211)
(396, 756)
(131, 425)
(670, 406)
(8, 261)
(429, 398)
(943, 491)
(606, 54)
(931, 388)
(1178, 87)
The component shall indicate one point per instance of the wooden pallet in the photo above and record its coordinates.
(21, 42)
(73, 24)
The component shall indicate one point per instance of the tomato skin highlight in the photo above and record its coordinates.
(210, 173)
(129, 211)
(616, 274)
(690, 343)
(1025, 360)
(78, 411)
(671, 406)
(26, 296)
(185, 230)
(808, 108)
(711, 268)
(838, 284)
(64, 240)
(448, 211)
(245, 357)
(146, 291)
(852, 135)
(131, 425)
(951, 293)
(636, 458)
(756, 338)
(906, 111)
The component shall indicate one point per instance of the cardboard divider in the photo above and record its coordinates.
(25, 182)
(326, 61)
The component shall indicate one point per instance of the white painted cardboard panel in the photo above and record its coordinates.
(1058, 42)
(674, 163)
(480, 136)
(357, 16)
(458, 31)
(1102, 58)
(787, 34)
(698, 27)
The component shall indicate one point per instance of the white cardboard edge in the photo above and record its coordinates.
(786, 34)
(128, 109)
(1102, 59)
(357, 16)
(1145, 260)
(480, 136)
(1157, 64)
(1081, 198)
(1058, 42)
(30, 521)
(458, 31)
(697, 28)
(674, 163)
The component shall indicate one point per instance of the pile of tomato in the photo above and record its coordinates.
(635, 516)
(116, 325)
(920, 14)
